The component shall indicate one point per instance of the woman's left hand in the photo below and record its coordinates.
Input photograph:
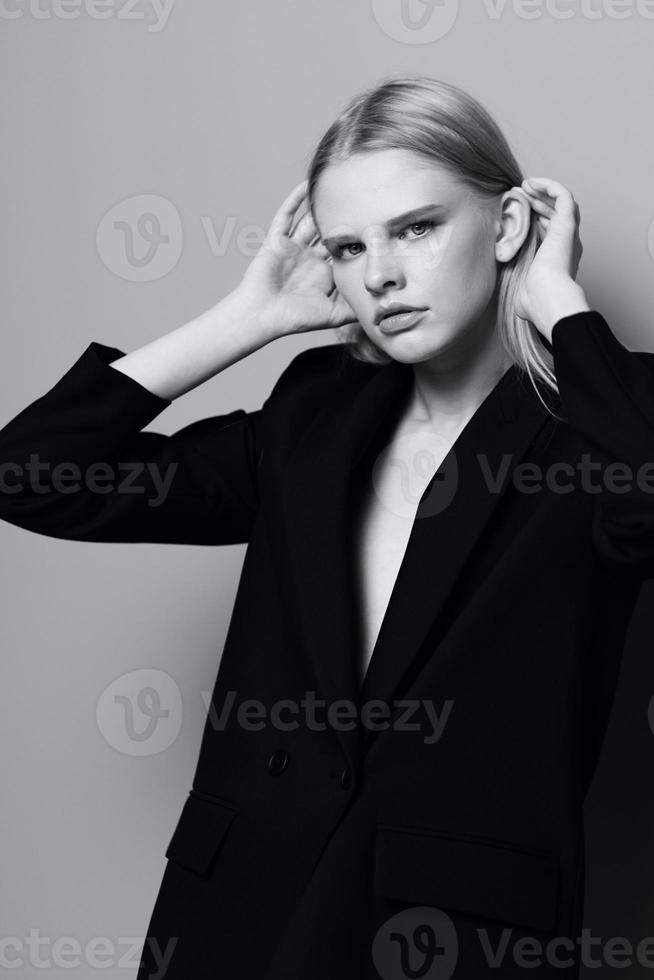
(549, 291)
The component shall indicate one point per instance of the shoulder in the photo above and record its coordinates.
(317, 382)
(328, 369)
(646, 357)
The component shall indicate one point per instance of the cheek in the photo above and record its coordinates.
(461, 272)
(349, 283)
(481, 257)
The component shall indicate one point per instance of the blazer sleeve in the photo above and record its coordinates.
(75, 464)
(607, 394)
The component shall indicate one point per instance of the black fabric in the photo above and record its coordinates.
(510, 606)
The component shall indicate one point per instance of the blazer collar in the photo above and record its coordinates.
(318, 504)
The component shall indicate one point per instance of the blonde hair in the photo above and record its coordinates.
(444, 124)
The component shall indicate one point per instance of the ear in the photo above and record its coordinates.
(512, 226)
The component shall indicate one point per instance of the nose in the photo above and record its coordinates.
(383, 270)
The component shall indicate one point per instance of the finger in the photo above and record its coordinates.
(541, 207)
(321, 250)
(333, 290)
(282, 221)
(536, 194)
(305, 229)
(546, 185)
(564, 202)
(342, 313)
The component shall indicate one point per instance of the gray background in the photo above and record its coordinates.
(217, 111)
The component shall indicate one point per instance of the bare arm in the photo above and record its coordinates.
(64, 458)
(287, 288)
(191, 354)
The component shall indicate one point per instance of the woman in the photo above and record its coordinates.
(429, 819)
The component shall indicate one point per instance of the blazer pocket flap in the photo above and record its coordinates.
(201, 827)
(494, 880)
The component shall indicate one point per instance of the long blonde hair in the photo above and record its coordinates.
(444, 124)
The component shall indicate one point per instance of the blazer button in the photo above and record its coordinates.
(346, 779)
(277, 762)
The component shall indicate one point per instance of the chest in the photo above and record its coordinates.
(388, 491)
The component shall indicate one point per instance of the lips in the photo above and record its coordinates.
(394, 310)
(400, 318)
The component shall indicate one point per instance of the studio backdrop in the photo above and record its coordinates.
(145, 149)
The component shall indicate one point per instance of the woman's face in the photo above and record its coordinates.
(402, 230)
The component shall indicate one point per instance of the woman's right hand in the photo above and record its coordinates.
(289, 284)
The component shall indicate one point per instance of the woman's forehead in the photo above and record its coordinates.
(377, 188)
(388, 168)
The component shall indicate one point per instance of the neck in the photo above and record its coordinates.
(449, 387)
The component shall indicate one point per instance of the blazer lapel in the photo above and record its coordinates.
(318, 509)
(448, 525)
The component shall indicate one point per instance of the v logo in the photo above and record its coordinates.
(426, 16)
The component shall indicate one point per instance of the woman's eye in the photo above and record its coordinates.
(343, 250)
(419, 228)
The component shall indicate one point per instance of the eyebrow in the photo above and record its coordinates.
(393, 224)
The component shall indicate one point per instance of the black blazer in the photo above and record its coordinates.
(306, 852)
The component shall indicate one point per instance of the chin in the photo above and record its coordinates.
(413, 346)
